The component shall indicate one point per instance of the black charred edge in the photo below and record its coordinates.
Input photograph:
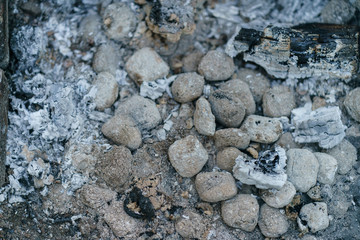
(328, 29)
(146, 208)
(156, 16)
(307, 36)
(267, 162)
(249, 36)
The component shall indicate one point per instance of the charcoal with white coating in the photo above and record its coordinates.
(143, 111)
(216, 66)
(204, 120)
(310, 50)
(227, 108)
(279, 198)
(106, 59)
(313, 217)
(302, 168)
(119, 21)
(321, 126)
(241, 90)
(267, 171)
(171, 18)
(242, 212)
(262, 129)
(107, 90)
(146, 65)
(352, 103)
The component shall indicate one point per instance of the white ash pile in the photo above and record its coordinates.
(132, 118)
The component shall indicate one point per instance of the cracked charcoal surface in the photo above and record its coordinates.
(323, 126)
(294, 53)
(267, 171)
(63, 177)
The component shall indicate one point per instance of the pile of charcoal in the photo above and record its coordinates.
(180, 119)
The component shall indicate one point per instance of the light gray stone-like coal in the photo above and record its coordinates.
(267, 171)
(323, 126)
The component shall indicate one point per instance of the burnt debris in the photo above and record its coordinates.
(138, 206)
(308, 50)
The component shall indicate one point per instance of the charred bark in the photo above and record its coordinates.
(310, 50)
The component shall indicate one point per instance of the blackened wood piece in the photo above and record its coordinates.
(4, 96)
(4, 34)
(310, 50)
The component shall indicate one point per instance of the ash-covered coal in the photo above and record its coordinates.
(267, 171)
(323, 126)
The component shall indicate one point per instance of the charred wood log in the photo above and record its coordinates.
(4, 34)
(4, 96)
(310, 50)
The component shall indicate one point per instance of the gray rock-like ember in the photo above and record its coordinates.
(114, 167)
(89, 28)
(241, 212)
(188, 156)
(287, 141)
(216, 66)
(225, 159)
(262, 129)
(338, 12)
(272, 222)
(107, 90)
(352, 104)
(278, 101)
(313, 217)
(106, 59)
(120, 222)
(302, 169)
(187, 87)
(228, 109)
(146, 65)
(191, 62)
(327, 168)
(204, 120)
(231, 137)
(96, 197)
(323, 126)
(267, 171)
(278, 198)
(104, 201)
(315, 193)
(143, 111)
(83, 156)
(119, 21)
(346, 154)
(242, 91)
(122, 130)
(191, 225)
(257, 82)
(309, 237)
(215, 186)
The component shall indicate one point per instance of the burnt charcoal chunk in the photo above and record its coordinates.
(309, 50)
(249, 36)
(143, 203)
